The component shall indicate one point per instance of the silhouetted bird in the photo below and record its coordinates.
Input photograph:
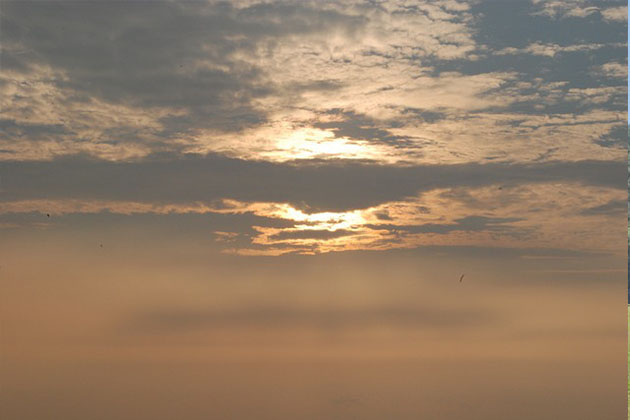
(461, 278)
(47, 214)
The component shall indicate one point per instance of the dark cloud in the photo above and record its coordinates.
(424, 115)
(311, 234)
(14, 129)
(362, 127)
(273, 316)
(383, 215)
(325, 185)
(466, 224)
(614, 207)
(616, 137)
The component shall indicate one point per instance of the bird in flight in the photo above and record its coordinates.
(461, 278)
(47, 214)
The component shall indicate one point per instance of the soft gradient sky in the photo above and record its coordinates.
(251, 209)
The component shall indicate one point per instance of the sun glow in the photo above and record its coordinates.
(325, 220)
(310, 143)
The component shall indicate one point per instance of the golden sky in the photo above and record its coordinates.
(263, 208)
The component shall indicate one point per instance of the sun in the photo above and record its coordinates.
(312, 143)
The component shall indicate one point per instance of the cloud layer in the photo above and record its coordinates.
(342, 108)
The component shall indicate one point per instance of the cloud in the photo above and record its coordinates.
(550, 50)
(617, 136)
(326, 318)
(466, 224)
(281, 80)
(611, 208)
(581, 9)
(271, 209)
(619, 14)
(311, 234)
(102, 54)
(337, 185)
(318, 125)
(613, 69)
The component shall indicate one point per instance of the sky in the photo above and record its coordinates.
(263, 209)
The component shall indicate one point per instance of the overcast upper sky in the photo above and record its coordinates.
(212, 178)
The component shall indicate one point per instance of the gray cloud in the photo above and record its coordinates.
(466, 224)
(362, 127)
(616, 137)
(181, 320)
(311, 234)
(614, 207)
(336, 185)
(12, 128)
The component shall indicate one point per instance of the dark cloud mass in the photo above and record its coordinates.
(332, 186)
(467, 224)
(615, 207)
(175, 321)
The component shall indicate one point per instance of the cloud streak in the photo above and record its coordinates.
(338, 185)
(177, 321)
